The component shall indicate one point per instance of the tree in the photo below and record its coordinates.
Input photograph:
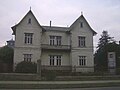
(105, 39)
(6, 55)
(105, 45)
(26, 67)
(6, 59)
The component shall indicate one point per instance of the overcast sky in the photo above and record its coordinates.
(100, 14)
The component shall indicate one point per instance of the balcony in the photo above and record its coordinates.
(57, 47)
(47, 67)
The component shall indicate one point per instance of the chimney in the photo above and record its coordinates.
(50, 23)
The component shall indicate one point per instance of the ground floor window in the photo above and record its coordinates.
(55, 60)
(82, 60)
(27, 57)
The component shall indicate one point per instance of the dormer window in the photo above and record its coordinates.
(29, 21)
(81, 24)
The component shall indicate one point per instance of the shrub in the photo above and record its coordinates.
(26, 67)
(50, 75)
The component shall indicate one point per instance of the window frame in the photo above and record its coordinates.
(55, 40)
(28, 38)
(27, 57)
(29, 21)
(52, 40)
(81, 41)
(81, 24)
(55, 60)
(82, 60)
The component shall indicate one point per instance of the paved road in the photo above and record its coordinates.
(62, 82)
(58, 82)
(101, 88)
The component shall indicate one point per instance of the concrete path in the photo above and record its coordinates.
(98, 88)
(58, 82)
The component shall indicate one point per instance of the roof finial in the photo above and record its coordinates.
(30, 7)
(82, 13)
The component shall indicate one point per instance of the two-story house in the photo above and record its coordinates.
(58, 48)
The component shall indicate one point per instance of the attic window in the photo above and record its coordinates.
(81, 24)
(29, 21)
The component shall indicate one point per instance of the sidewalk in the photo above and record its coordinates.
(56, 84)
(59, 82)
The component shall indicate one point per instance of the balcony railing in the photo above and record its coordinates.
(58, 47)
(47, 67)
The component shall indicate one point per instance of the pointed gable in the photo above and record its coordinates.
(80, 20)
(29, 15)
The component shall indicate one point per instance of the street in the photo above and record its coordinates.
(98, 88)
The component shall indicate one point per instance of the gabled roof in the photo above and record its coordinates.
(94, 33)
(30, 12)
(55, 28)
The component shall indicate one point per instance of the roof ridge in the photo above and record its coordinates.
(54, 26)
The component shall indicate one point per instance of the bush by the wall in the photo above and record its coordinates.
(49, 75)
(26, 67)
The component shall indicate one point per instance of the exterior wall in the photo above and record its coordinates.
(24, 27)
(77, 51)
(64, 41)
(22, 48)
(78, 31)
(65, 61)
(18, 54)
(89, 60)
(69, 56)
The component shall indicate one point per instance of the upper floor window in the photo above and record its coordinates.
(81, 24)
(82, 60)
(81, 41)
(29, 21)
(27, 57)
(55, 60)
(28, 38)
(55, 40)
(58, 40)
(52, 40)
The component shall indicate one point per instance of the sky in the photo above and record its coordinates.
(100, 14)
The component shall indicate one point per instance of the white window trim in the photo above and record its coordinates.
(82, 61)
(28, 38)
(55, 40)
(27, 57)
(56, 61)
(81, 43)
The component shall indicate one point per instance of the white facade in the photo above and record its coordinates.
(58, 48)
(112, 62)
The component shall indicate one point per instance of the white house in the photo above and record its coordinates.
(58, 48)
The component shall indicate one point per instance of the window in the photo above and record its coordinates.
(52, 40)
(28, 38)
(27, 57)
(55, 40)
(29, 21)
(55, 60)
(81, 24)
(81, 41)
(58, 40)
(58, 58)
(51, 60)
(82, 60)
